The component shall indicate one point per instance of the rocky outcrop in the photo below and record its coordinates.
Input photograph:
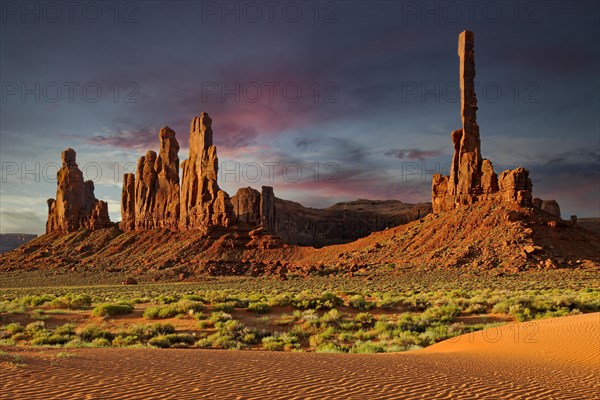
(150, 199)
(256, 208)
(550, 206)
(472, 178)
(75, 205)
(246, 205)
(203, 204)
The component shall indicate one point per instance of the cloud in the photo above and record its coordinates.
(16, 221)
(138, 138)
(412, 154)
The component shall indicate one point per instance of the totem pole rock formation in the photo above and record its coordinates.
(75, 205)
(472, 178)
(203, 204)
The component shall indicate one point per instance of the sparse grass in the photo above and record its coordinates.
(327, 315)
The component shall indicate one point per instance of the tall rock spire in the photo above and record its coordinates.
(472, 178)
(203, 204)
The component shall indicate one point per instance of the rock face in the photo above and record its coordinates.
(550, 206)
(167, 171)
(472, 178)
(268, 217)
(246, 205)
(128, 203)
(75, 205)
(256, 208)
(203, 204)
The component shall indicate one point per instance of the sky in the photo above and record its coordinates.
(325, 101)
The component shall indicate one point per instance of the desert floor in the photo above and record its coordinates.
(555, 358)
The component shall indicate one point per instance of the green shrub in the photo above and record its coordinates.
(219, 317)
(36, 300)
(259, 308)
(109, 309)
(124, 341)
(330, 348)
(280, 341)
(89, 333)
(366, 347)
(365, 319)
(173, 309)
(71, 301)
(360, 303)
(224, 307)
(13, 327)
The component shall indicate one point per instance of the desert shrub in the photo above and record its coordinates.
(13, 327)
(36, 326)
(100, 342)
(365, 319)
(285, 319)
(71, 301)
(366, 347)
(360, 303)
(231, 334)
(331, 348)
(227, 307)
(145, 332)
(306, 300)
(444, 313)
(89, 333)
(109, 309)
(36, 300)
(172, 309)
(259, 308)
(166, 299)
(193, 297)
(125, 340)
(332, 316)
(161, 341)
(280, 342)
(388, 302)
(219, 317)
(65, 329)
(280, 300)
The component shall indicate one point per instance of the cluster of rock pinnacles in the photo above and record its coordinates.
(156, 198)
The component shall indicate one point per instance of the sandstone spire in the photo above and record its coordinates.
(75, 206)
(471, 177)
(167, 170)
(202, 202)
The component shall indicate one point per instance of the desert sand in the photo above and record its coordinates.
(547, 359)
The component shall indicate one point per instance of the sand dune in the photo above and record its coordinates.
(548, 359)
